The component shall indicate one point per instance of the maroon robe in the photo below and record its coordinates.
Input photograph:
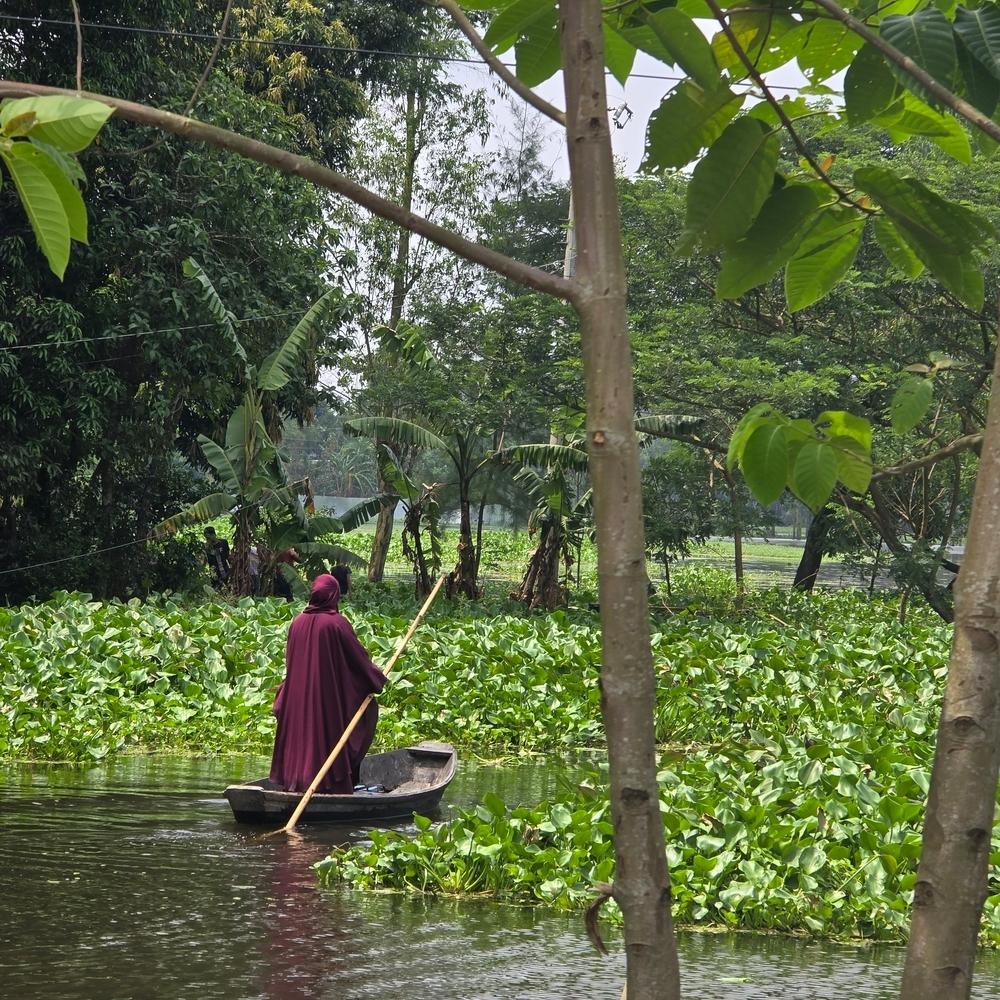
(327, 676)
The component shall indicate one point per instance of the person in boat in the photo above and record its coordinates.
(328, 674)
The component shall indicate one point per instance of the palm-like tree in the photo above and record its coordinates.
(248, 466)
(469, 451)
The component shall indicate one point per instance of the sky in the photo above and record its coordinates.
(641, 94)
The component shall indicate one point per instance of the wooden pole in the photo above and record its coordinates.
(335, 752)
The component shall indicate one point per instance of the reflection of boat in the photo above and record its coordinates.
(414, 780)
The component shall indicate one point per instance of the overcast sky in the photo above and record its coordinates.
(641, 94)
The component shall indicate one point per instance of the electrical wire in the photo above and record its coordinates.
(310, 46)
(144, 333)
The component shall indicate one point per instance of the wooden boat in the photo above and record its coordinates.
(414, 779)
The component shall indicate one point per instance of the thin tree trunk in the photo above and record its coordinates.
(952, 880)
(871, 582)
(812, 553)
(464, 576)
(384, 525)
(628, 686)
(540, 586)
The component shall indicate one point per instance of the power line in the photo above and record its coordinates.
(312, 46)
(144, 333)
(81, 555)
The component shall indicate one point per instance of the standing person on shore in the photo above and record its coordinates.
(328, 674)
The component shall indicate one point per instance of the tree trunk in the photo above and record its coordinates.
(464, 577)
(383, 527)
(628, 685)
(812, 554)
(540, 587)
(952, 880)
(239, 562)
(381, 538)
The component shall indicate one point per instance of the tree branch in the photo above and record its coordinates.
(908, 66)
(79, 46)
(310, 170)
(842, 195)
(956, 447)
(522, 90)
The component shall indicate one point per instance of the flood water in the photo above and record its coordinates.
(132, 881)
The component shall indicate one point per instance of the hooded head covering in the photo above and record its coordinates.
(324, 595)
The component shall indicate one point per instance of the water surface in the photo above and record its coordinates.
(132, 881)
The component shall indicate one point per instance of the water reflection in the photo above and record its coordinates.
(132, 880)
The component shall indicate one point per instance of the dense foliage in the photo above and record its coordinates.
(792, 802)
(796, 738)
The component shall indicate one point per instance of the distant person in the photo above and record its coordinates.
(328, 674)
(217, 556)
(253, 568)
(282, 588)
(342, 574)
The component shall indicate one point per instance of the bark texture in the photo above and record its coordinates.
(952, 880)
(812, 553)
(540, 586)
(642, 886)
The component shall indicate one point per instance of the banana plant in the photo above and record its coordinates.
(254, 487)
(469, 455)
(421, 513)
(554, 476)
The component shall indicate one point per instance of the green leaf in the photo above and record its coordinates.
(982, 89)
(827, 48)
(774, 236)
(979, 31)
(274, 372)
(619, 54)
(749, 422)
(760, 35)
(909, 403)
(823, 258)
(514, 20)
(66, 162)
(494, 804)
(543, 456)
(215, 305)
(206, 509)
(896, 249)
(941, 233)
(537, 51)
(360, 513)
(681, 43)
(926, 37)
(840, 423)
(69, 195)
(688, 120)
(668, 425)
(812, 859)
(43, 206)
(869, 86)
(765, 462)
(729, 185)
(913, 117)
(396, 430)
(220, 462)
(814, 474)
(336, 554)
(854, 464)
(68, 123)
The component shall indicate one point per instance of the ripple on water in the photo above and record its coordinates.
(133, 881)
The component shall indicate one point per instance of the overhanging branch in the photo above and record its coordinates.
(908, 66)
(310, 170)
(956, 447)
(521, 89)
